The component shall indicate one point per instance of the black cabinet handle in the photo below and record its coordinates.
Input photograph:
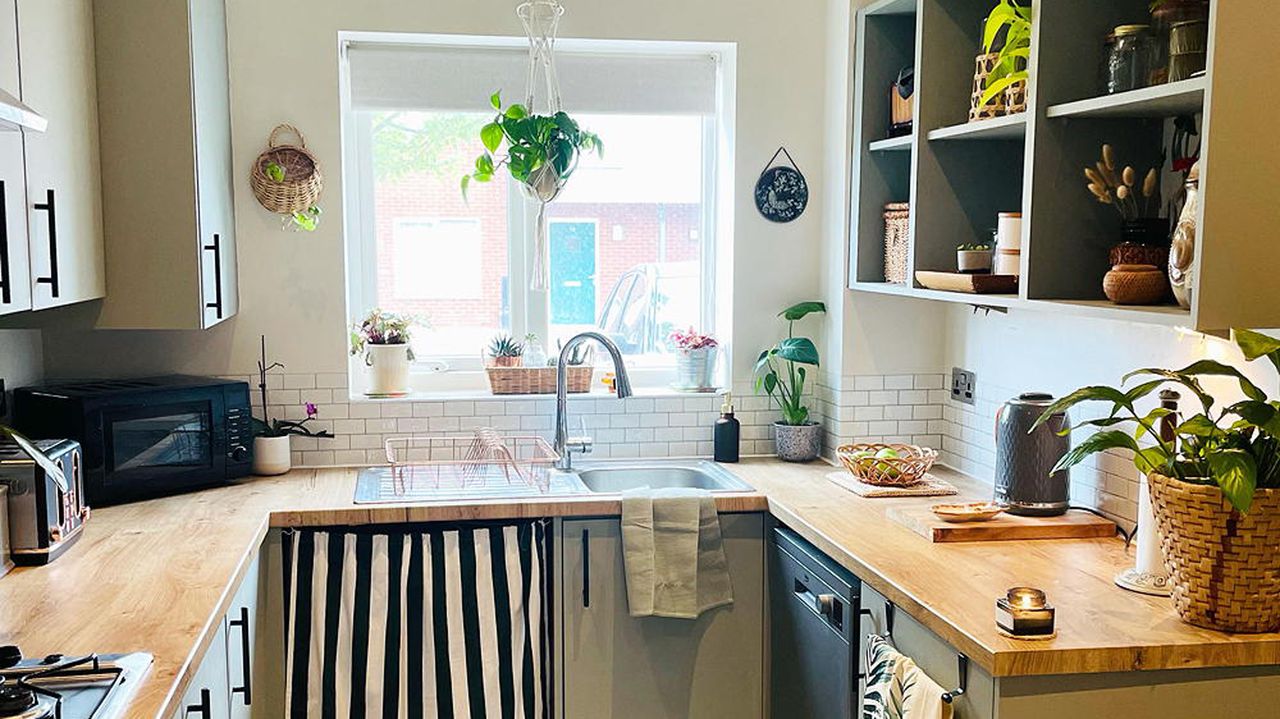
(6, 294)
(586, 568)
(245, 633)
(216, 249)
(49, 206)
(204, 708)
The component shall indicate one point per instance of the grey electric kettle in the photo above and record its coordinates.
(1025, 480)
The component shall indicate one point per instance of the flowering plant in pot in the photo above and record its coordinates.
(781, 373)
(1214, 478)
(695, 358)
(271, 447)
(382, 339)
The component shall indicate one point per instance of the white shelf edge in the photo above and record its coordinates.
(1167, 315)
(1147, 101)
(1005, 127)
(891, 144)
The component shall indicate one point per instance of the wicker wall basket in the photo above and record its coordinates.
(1224, 566)
(897, 229)
(302, 182)
(908, 468)
(537, 380)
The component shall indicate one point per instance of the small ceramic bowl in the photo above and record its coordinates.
(970, 512)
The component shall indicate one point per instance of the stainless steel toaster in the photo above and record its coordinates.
(46, 516)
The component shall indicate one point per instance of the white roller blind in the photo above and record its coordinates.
(386, 76)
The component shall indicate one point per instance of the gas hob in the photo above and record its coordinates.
(94, 686)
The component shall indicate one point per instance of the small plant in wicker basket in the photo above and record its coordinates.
(1214, 482)
(286, 180)
(888, 465)
(505, 351)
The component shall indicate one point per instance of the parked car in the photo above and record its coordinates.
(649, 301)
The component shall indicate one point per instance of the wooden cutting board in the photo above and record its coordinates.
(1072, 525)
(978, 284)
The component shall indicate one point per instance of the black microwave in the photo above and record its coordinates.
(145, 437)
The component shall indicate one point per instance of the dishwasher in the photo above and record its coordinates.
(814, 612)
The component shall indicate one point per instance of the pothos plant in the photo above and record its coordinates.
(1015, 52)
(781, 370)
(541, 150)
(1236, 447)
(306, 220)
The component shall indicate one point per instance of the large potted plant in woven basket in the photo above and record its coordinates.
(1214, 482)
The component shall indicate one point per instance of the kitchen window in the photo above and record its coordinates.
(633, 240)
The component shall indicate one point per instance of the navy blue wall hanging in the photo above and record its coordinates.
(781, 192)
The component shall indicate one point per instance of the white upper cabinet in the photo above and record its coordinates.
(15, 267)
(63, 198)
(169, 215)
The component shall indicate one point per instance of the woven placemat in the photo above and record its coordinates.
(930, 487)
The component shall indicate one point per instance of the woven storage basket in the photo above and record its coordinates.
(302, 179)
(983, 66)
(537, 380)
(908, 468)
(1224, 567)
(897, 227)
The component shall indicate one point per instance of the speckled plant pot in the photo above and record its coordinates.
(798, 443)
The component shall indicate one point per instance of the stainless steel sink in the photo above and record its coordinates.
(695, 474)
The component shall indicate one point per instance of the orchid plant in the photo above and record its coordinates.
(690, 340)
(267, 427)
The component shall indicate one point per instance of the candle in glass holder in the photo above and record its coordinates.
(1024, 612)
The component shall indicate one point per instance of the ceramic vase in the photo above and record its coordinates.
(798, 443)
(694, 368)
(388, 369)
(1183, 251)
(271, 456)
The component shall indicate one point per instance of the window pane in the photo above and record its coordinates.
(625, 236)
(439, 256)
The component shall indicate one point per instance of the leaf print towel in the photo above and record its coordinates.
(897, 688)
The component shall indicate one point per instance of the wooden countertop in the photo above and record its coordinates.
(155, 576)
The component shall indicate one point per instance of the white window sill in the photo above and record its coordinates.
(467, 395)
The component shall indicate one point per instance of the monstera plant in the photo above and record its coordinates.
(781, 372)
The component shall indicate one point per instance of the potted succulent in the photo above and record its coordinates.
(781, 373)
(1214, 480)
(542, 151)
(505, 351)
(382, 339)
(695, 359)
(974, 258)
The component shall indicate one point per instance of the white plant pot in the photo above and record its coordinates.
(388, 369)
(695, 368)
(271, 456)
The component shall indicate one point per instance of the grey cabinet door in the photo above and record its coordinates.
(206, 697)
(241, 628)
(64, 200)
(211, 97)
(15, 267)
(614, 665)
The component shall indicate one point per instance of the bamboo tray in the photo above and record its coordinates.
(1072, 525)
(976, 284)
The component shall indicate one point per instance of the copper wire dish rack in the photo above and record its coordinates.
(486, 463)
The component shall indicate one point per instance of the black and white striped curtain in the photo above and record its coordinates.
(431, 624)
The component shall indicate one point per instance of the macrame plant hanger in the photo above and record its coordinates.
(541, 19)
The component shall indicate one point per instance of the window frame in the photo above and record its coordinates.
(451, 373)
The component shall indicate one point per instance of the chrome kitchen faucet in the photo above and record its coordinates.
(564, 445)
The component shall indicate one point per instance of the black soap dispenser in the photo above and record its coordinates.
(728, 432)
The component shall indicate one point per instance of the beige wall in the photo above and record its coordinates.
(20, 357)
(285, 69)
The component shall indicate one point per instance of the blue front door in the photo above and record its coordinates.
(573, 273)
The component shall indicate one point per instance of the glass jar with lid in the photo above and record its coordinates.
(1163, 19)
(1131, 59)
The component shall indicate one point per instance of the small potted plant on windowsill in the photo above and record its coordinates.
(781, 373)
(382, 339)
(973, 259)
(505, 351)
(695, 360)
(1215, 485)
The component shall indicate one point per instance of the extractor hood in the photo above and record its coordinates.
(16, 117)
